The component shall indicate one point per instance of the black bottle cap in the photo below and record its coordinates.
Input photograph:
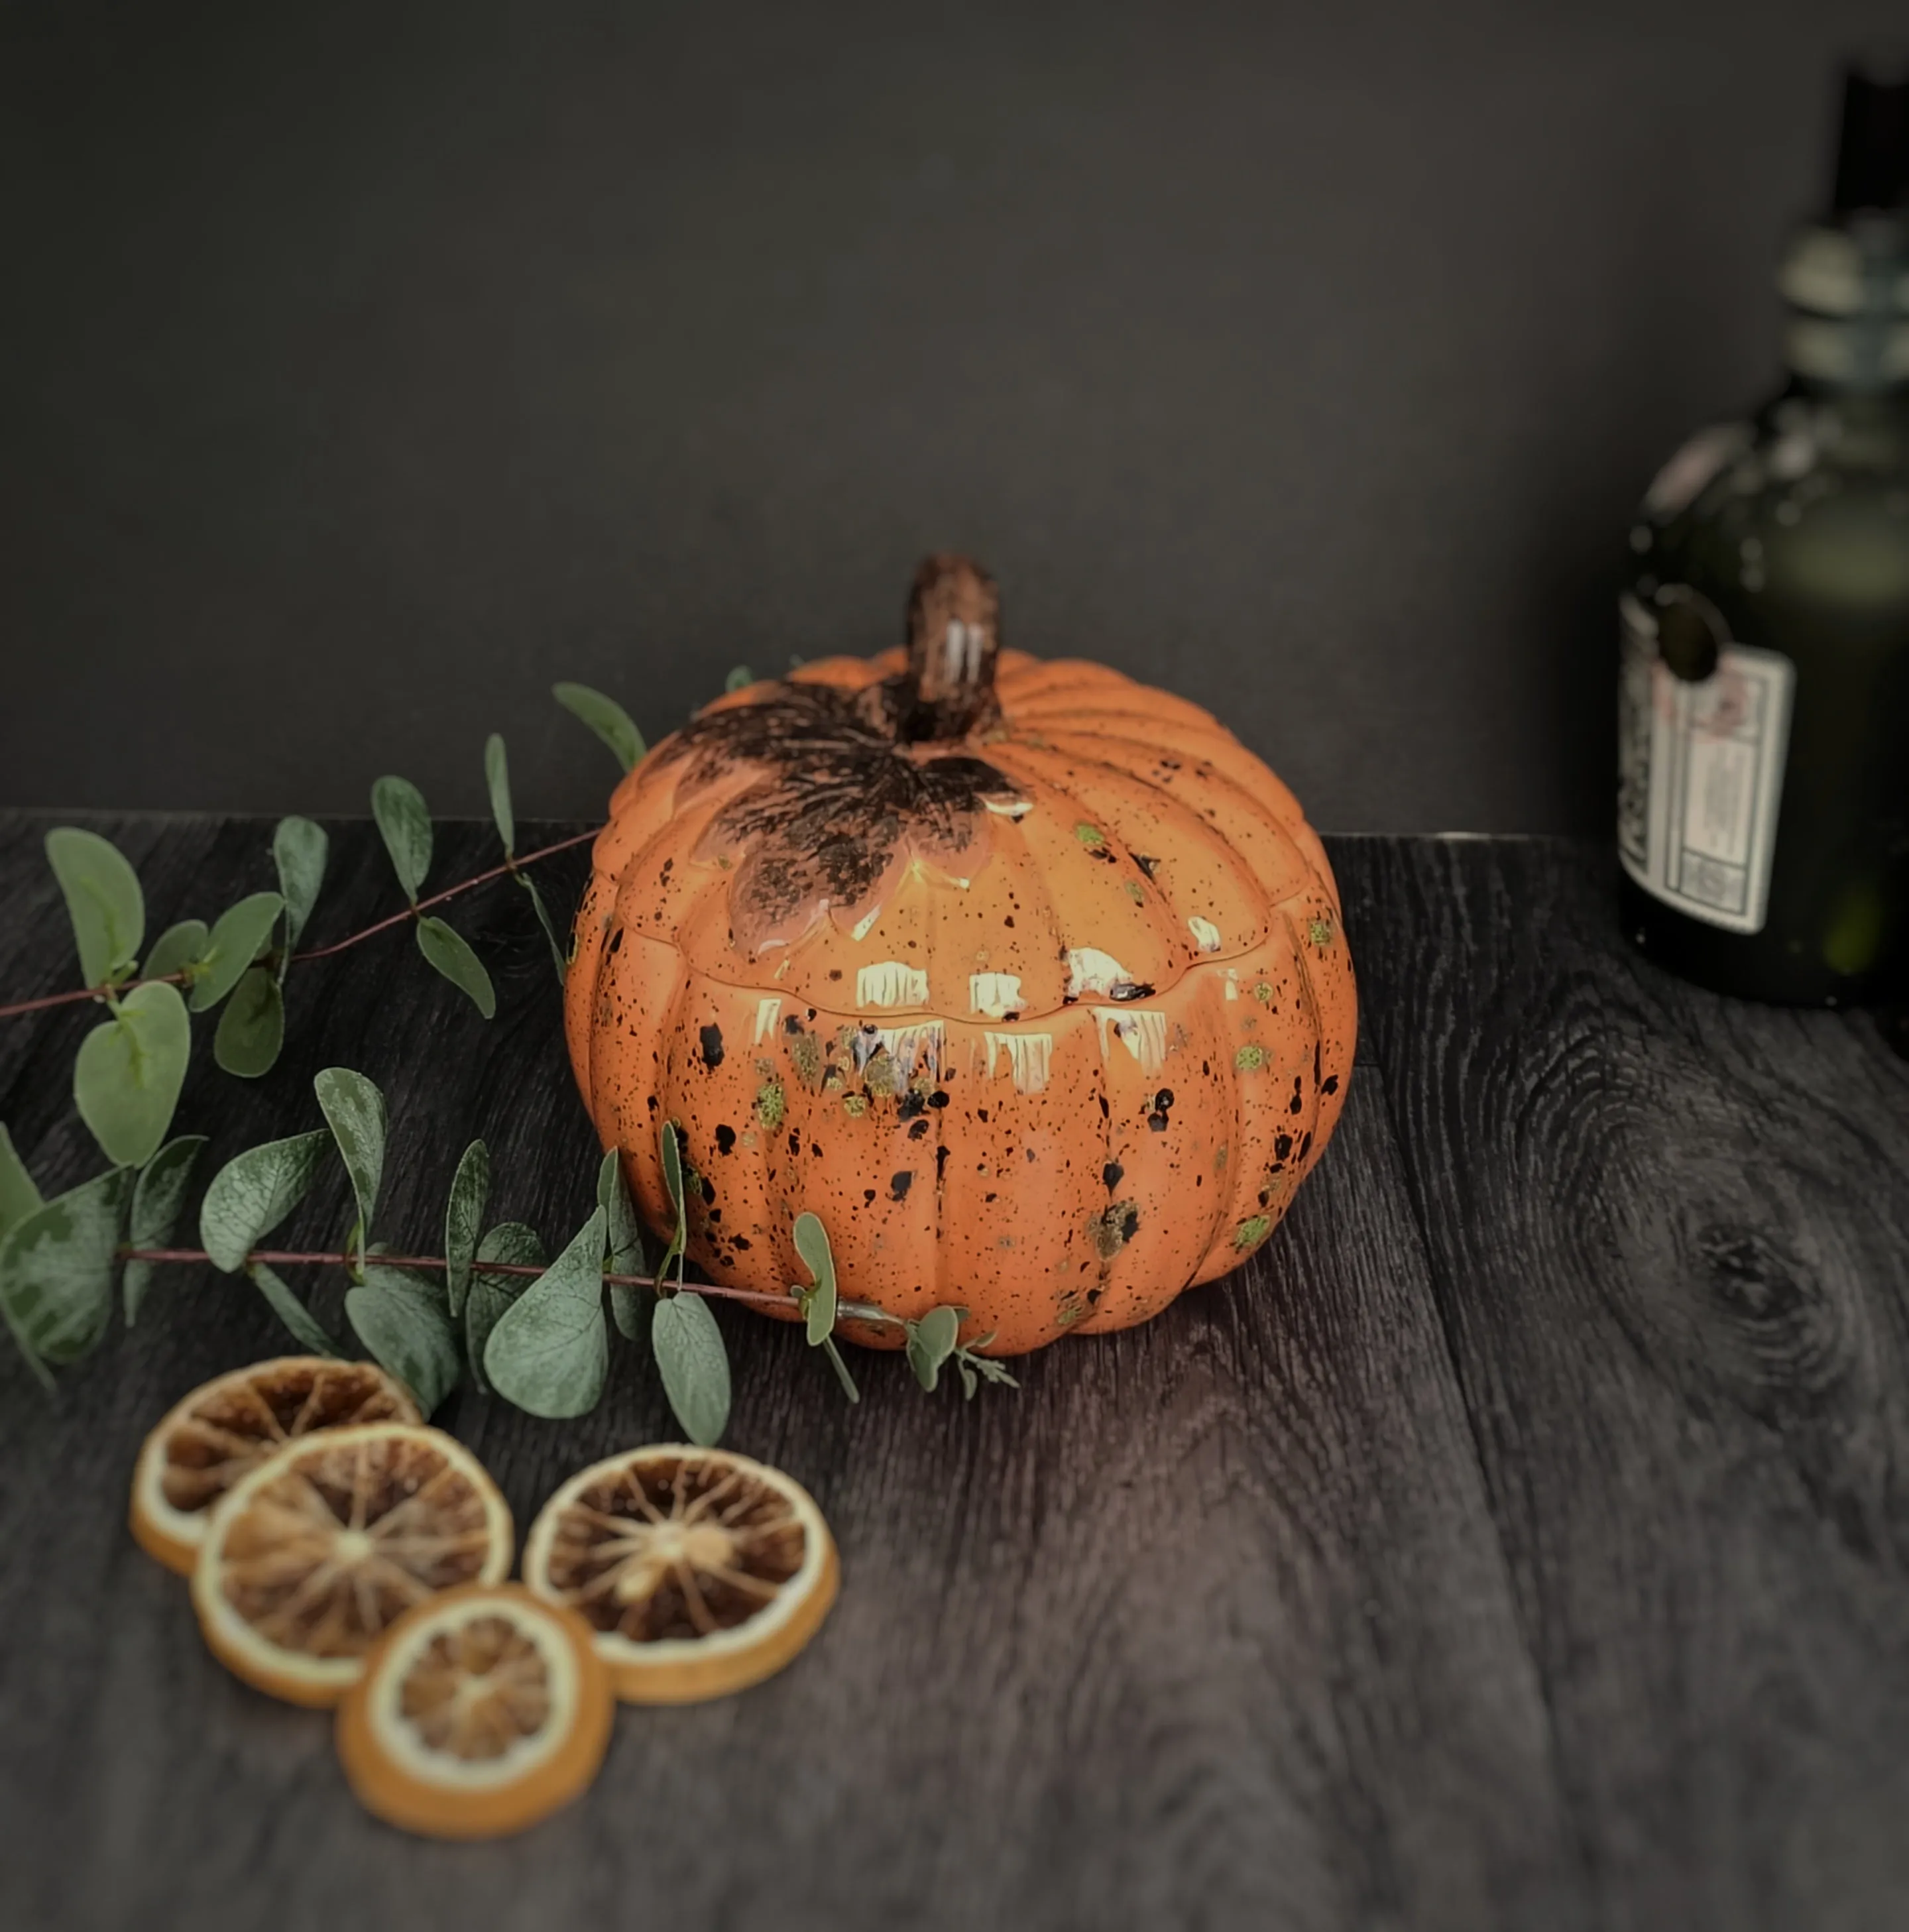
(1872, 154)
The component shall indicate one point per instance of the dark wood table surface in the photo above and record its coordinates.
(1518, 1541)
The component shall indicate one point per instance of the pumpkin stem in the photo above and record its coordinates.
(954, 639)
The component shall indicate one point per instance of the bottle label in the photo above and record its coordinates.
(1700, 774)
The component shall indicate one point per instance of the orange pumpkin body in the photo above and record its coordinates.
(1028, 979)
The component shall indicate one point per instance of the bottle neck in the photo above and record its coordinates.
(1846, 287)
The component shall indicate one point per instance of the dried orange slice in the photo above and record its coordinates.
(230, 1424)
(478, 1712)
(312, 1556)
(700, 1571)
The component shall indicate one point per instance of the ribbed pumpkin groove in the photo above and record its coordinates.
(1029, 980)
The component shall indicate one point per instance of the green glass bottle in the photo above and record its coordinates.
(1763, 704)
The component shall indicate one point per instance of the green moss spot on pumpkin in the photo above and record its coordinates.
(1219, 1160)
(854, 1105)
(771, 1104)
(1263, 993)
(1134, 893)
(1092, 836)
(1069, 1315)
(882, 1076)
(1113, 1228)
(1250, 1233)
(805, 1056)
(1320, 931)
(1250, 1059)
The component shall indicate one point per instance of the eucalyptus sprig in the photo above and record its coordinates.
(492, 1310)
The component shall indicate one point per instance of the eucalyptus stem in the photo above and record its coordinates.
(510, 866)
(504, 870)
(854, 1311)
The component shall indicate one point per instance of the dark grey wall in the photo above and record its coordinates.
(363, 368)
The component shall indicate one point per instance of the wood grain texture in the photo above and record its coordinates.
(1517, 1543)
(1670, 1237)
(1206, 1626)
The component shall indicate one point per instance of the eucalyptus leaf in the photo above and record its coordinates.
(179, 949)
(56, 1270)
(496, 775)
(739, 679)
(669, 1137)
(241, 933)
(931, 1342)
(402, 1319)
(812, 1243)
(158, 1196)
(549, 1352)
(622, 1240)
(19, 1197)
(253, 1191)
(127, 1074)
(298, 849)
(404, 824)
(310, 1333)
(556, 953)
(606, 717)
(490, 1294)
(464, 1219)
(447, 950)
(103, 900)
(694, 1364)
(252, 1028)
(841, 1368)
(355, 1111)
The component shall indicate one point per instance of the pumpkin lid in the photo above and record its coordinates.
(955, 831)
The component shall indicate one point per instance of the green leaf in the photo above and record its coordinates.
(812, 1243)
(127, 1078)
(402, 1319)
(841, 1368)
(354, 1109)
(496, 775)
(464, 1218)
(405, 824)
(606, 717)
(253, 1193)
(298, 849)
(103, 900)
(490, 1294)
(19, 1197)
(310, 1333)
(556, 953)
(179, 949)
(549, 1351)
(446, 950)
(622, 1240)
(157, 1198)
(56, 1270)
(241, 934)
(694, 1364)
(252, 1027)
(669, 1139)
(931, 1342)
(739, 679)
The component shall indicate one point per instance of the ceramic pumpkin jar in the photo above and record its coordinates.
(1027, 978)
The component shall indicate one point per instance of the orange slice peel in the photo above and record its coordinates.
(314, 1554)
(226, 1427)
(478, 1713)
(700, 1571)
